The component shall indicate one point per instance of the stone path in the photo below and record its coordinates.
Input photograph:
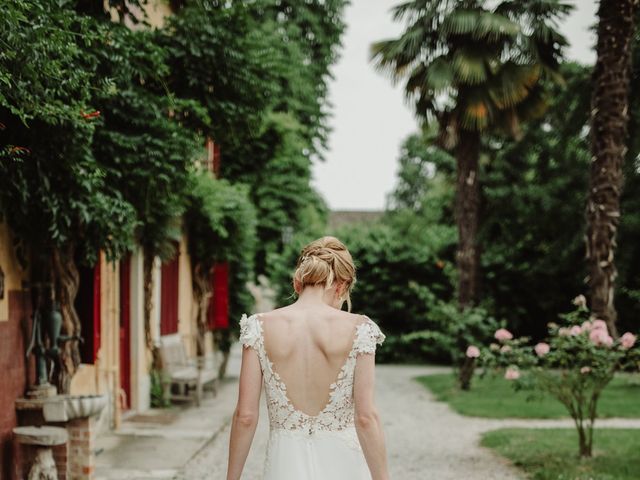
(425, 438)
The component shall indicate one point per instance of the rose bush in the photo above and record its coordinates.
(574, 364)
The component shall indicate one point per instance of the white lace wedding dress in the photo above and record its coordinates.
(319, 447)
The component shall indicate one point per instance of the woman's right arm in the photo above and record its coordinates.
(367, 420)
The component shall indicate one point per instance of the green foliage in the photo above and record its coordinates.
(52, 190)
(549, 454)
(220, 221)
(533, 225)
(310, 37)
(266, 105)
(421, 206)
(452, 329)
(226, 60)
(494, 397)
(43, 72)
(158, 379)
(281, 190)
(533, 195)
(628, 249)
(143, 143)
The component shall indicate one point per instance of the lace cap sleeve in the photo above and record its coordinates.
(250, 330)
(368, 335)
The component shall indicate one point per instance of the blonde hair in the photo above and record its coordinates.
(325, 261)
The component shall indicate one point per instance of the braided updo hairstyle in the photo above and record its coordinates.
(325, 261)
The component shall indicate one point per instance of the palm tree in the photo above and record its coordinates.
(474, 70)
(609, 119)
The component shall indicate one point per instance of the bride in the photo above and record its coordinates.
(317, 366)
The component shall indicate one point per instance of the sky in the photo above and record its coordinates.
(370, 118)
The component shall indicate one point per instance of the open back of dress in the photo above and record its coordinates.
(308, 356)
(308, 383)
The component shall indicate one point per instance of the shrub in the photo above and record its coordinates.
(574, 365)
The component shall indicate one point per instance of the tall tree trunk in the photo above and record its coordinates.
(148, 264)
(466, 211)
(609, 118)
(66, 281)
(201, 281)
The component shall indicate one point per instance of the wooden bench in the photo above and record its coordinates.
(186, 379)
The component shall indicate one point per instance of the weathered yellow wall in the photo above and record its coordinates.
(186, 308)
(110, 335)
(13, 272)
(140, 381)
(156, 10)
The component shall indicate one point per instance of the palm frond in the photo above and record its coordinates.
(492, 26)
(474, 110)
(470, 65)
(460, 22)
(548, 9)
(389, 57)
(439, 75)
(417, 80)
(545, 33)
(475, 116)
(512, 84)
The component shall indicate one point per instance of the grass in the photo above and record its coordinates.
(551, 454)
(494, 397)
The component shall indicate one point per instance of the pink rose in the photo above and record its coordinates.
(600, 337)
(584, 370)
(505, 349)
(627, 340)
(502, 334)
(587, 326)
(542, 349)
(473, 352)
(512, 374)
(575, 330)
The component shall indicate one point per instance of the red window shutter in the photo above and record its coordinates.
(170, 279)
(125, 329)
(218, 314)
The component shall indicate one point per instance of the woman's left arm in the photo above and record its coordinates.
(245, 416)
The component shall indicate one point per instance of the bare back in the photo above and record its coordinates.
(308, 347)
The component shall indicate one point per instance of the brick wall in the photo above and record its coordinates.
(13, 369)
(82, 440)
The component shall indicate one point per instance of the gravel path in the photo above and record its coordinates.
(425, 438)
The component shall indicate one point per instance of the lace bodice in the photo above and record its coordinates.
(338, 414)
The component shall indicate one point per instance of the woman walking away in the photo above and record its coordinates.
(317, 365)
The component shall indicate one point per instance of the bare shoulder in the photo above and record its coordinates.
(275, 313)
(354, 319)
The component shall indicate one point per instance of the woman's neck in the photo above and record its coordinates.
(316, 295)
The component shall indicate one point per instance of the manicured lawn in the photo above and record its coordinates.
(494, 397)
(551, 454)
